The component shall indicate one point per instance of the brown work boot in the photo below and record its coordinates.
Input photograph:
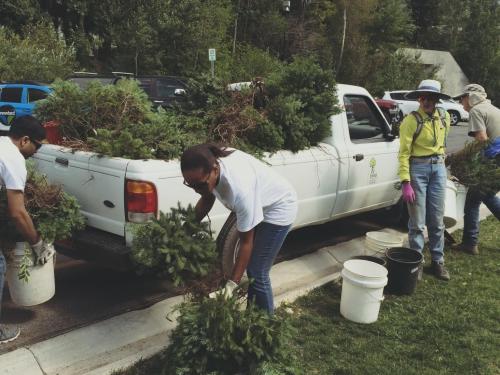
(469, 249)
(439, 271)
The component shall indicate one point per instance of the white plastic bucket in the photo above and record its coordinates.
(461, 195)
(450, 205)
(362, 290)
(41, 285)
(381, 241)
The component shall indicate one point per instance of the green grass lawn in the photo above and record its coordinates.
(443, 328)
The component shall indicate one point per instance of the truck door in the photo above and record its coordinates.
(373, 158)
(314, 173)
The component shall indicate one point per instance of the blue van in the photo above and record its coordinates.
(19, 99)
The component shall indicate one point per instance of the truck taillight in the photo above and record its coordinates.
(141, 201)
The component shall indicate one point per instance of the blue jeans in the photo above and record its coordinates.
(429, 183)
(267, 243)
(471, 214)
(3, 270)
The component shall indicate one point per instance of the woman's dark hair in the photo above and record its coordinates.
(203, 156)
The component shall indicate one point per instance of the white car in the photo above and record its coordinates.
(456, 110)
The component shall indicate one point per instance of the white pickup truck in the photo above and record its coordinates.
(352, 171)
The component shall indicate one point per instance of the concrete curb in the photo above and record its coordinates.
(121, 341)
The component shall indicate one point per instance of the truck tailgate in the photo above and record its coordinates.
(96, 182)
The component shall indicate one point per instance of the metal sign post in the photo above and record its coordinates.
(212, 57)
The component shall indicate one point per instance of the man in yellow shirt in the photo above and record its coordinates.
(423, 173)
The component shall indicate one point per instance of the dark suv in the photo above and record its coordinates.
(161, 90)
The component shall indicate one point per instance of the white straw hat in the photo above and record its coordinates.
(427, 86)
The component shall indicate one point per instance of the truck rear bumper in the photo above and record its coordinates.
(97, 246)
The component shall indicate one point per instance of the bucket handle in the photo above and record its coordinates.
(364, 291)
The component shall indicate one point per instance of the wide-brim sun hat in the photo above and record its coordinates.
(427, 87)
(473, 88)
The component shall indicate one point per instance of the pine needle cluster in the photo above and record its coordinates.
(174, 246)
(55, 214)
(474, 170)
(220, 336)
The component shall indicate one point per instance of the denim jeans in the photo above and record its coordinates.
(267, 243)
(429, 183)
(471, 214)
(3, 270)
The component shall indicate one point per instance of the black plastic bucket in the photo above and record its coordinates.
(371, 258)
(402, 266)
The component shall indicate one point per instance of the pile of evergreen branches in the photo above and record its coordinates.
(474, 170)
(55, 214)
(289, 109)
(174, 246)
(223, 336)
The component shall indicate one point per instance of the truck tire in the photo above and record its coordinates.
(228, 244)
(454, 117)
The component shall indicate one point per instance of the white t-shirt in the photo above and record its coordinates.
(254, 192)
(12, 166)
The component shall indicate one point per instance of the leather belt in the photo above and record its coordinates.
(434, 159)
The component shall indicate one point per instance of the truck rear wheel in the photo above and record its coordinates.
(228, 245)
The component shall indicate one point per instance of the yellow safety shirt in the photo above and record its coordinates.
(430, 141)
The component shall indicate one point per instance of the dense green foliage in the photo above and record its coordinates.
(216, 336)
(55, 214)
(474, 170)
(39, 54)
(81, 112)
(175, 246)
(172, 37)
(290, 109)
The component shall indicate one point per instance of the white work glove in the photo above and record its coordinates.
(44, 251)
(227, 291)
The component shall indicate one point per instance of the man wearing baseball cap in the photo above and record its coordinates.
(25, 137)
(484, 124)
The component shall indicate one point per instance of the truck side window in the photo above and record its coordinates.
(365, 123)
(166, 88)
(11, 94)
(35, 94)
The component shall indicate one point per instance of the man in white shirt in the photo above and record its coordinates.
(25, 137)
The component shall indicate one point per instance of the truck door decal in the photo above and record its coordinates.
(373, 173)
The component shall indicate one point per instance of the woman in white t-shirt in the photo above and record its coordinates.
(264, 202)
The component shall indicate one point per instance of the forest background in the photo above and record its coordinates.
(357, 39)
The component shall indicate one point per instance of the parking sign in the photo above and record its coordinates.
(211, 54)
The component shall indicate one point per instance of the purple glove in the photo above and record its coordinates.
(408, 193)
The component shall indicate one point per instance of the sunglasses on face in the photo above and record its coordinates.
(429, 98)
(37, 144)
(198, 185)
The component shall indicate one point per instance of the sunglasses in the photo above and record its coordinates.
(37, 144)
(198, 185)
(429, 98)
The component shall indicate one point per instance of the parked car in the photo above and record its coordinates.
(83, 79)
(19, 99)
(353, 170)
(456, 110)
(390, 109)
(161, 90)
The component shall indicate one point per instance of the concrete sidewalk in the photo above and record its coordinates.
(119, 342)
